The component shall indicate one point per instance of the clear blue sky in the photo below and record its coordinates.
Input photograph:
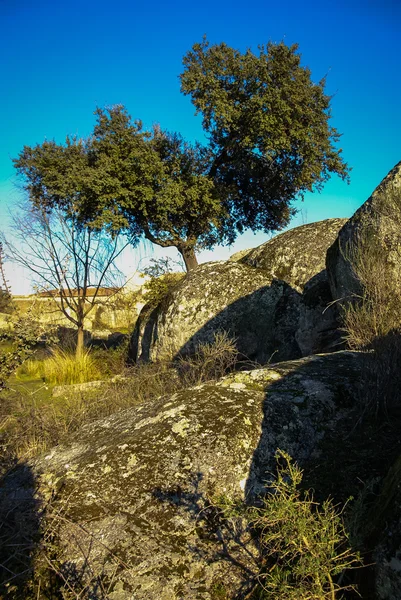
(62, 59)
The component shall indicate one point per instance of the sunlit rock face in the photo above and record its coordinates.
(258, 312)
(274, 302)
(377, 222)
(295, 256)
(134, 493)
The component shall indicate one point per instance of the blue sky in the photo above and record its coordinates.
(62, 59)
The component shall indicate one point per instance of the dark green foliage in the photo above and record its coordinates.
(25, 336)
(6, 305)
(268, 126)
(269, 141)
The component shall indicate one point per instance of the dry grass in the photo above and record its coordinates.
(372, 318)
(210, 361)
(31, 420)
(376, 310)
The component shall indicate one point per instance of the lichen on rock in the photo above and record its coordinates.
(134, 493)
(295, 256)
(378, 218)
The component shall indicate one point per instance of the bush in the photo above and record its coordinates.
(210, 361)
(304, 547)
(25, 337)
(162, 280)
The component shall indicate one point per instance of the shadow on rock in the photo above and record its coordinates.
(233, 538)
(20, 518)
(274, 322)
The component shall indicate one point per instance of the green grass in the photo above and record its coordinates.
(31, 420)
(62, 368)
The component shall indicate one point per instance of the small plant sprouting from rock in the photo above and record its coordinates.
(303, 545)
(163, 277)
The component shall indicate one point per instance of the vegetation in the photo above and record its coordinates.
(62, 368)
(31, 420)
(372, 317)
(70, 264)
(303, 544)
(210, 361)
(269, 141)
(162, 279)
(375, 310)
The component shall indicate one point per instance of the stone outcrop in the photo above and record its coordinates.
(259, 313)
(133, 494)
(274, 301)
(377, 221)
(297, 255)
(318, 326)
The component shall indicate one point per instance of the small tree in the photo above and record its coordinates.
(69, 262)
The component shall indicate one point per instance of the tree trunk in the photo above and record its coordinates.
(80, 342)
(189, 256)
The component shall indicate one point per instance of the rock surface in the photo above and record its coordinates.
(295, 256)
(276, 311)
(221, 296)
(379, 219)
(133, 492)
(318, 328)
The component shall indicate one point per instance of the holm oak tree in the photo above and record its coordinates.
(269, 142)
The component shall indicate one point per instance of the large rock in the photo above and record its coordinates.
(378, 220)
(297, 255)
(261, 314)
(275, 301)
(318, 328)
(131, 497)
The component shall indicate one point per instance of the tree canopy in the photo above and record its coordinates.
(269, 141)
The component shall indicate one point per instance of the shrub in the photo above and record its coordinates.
(162, 280)
(158, 288)
(25, 337)
(210, 361)
(304, 547)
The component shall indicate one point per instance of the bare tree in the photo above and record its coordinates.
(70, 262)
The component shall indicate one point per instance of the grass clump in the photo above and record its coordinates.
(210, 360)
(62, 368)
(375, 311)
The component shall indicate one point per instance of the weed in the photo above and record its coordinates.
(210, 361)
(303, 544)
